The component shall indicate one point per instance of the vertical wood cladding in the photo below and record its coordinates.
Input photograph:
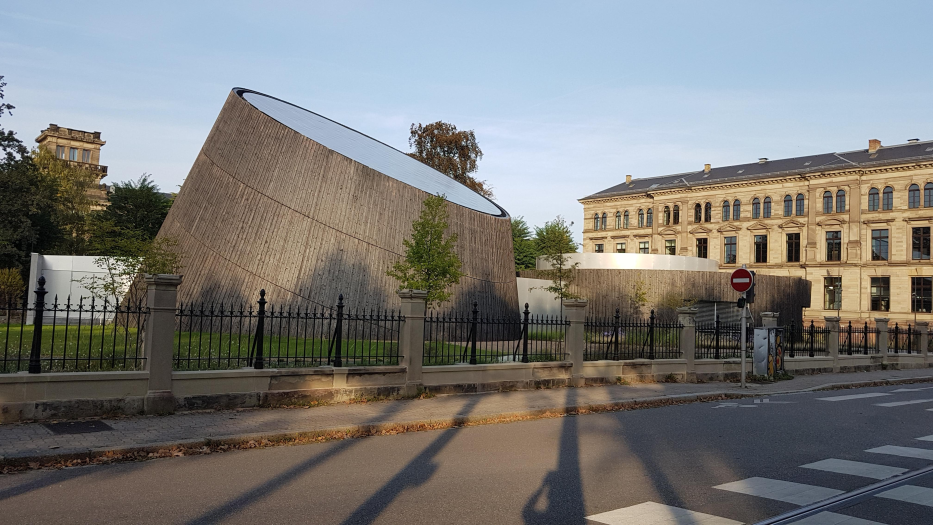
(266, 207)
(607, 290)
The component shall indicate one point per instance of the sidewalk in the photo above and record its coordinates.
(36, 442)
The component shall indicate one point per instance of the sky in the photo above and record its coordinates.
(565, 98)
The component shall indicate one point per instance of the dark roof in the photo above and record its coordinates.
(912, 151)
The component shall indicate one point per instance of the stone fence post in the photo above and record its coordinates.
(411, 338)
(832, 340)
(575, 339)
(924, 328)
(881, 324)
(159, 341)
(687, 317)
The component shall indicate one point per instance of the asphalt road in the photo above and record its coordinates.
(546, 471)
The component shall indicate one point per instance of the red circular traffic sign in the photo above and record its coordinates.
(741, 280)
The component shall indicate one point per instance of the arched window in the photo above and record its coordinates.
(913, 196)
(667, 216)
(928, 195)
(725, 210)
(767, 210)
(649, 222)
(625, 220)
(827, 202)
(641, 218)
(887, 198)
(708, 212)
(676, 214)
(618, 220)
(800, 204)
(841, 201)
(697, 213)
(605, 223)
(596, 222)
(788, 206)
(756, 208)
(873, 199)
(736, 209)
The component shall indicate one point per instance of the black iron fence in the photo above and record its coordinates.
(618, 339)
(474, 339)
(903, 340)
(718, 340)
(86, 335)
(805, 340)
(221, 336)
(858, 340)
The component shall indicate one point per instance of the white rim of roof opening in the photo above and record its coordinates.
(369, 152)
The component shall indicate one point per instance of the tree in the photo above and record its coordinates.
(137, 206)
(28, 201)
(554, 241)
(451, 152)
(430, 262)
(523, 246)
(138, 256)
(74, 204)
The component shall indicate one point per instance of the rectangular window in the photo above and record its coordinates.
(879, 245)
(761, 248)
(880, 294)
(599, 248)
(703, 248)
(73, 154)
(670, 247)
(86, 155)
(832, 293)
(921, 294)
(920, 241)
(793, 247)
(833, 246)
(60, 152)
(729, 253)
(643, 247)
(620, 247)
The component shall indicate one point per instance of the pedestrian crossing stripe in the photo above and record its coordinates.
(853, 396)
(906, 452)
(910, 494)
(797, 493)
(651, 513)
(831, 518)
(856, 468)
(902, 403)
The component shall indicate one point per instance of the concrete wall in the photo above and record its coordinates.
(540, 301)
(61, 273)
(635, 261)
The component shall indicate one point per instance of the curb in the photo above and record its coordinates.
(265, 439)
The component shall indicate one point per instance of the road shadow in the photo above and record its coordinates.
(270, 486)
(416, 473)
(561, 491)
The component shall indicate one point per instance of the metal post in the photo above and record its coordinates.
(811, 338)
(717, 336)
(897, 339)
(35, 365)
(651, 336)
(525, 334)
(260, 330)
(473, 334)
(744, 341)
(910, 338)
(338, 334)
(617, 333)
(849, 339)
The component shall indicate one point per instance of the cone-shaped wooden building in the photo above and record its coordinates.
(284, 199)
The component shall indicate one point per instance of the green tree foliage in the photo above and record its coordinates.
(28, 201)
(451, 152)
(137, 256)
(430, 262)
(554, 241)
(526, 252)
(137, 206)
(73, 203)
(11, 287)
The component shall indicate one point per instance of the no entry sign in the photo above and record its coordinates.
(741, 280)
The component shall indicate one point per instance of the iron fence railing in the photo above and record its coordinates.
(858, 340)
(210, 337)
(903, 340)
(806, 340)
(86, 335)
(473, 339)
(720, 340)
(619, 339)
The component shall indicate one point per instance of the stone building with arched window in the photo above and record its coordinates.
(856, 224)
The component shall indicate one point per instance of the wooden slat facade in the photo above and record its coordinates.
(266, 207)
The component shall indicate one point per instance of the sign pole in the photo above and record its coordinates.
(744, 341)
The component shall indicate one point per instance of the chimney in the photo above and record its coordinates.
(912, 140)
(874, 145)
(706, 168)
(628, 179)
(762, 160)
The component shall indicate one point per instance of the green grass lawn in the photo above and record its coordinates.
(445, 353)
(71, 348)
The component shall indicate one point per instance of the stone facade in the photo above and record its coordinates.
(833, 215)
(81, 148)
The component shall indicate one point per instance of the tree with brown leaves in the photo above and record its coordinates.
(450, 151)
